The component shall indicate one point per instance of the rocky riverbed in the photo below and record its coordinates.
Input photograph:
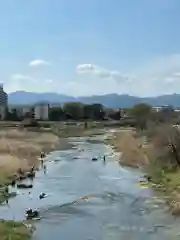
(92, 199)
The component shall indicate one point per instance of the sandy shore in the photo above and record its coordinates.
(20, 149)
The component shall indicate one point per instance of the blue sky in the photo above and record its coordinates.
(90, 47)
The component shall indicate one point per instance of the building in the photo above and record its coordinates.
(41, 112)
(156, 109)
(26, 111)
(21, 110)
(3, 102)
(2, 112)
(164, 108)
(3, 97)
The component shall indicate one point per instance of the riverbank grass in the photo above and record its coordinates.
(14, 231)
(5, 179)
(19, 149)
(133, 154)
(170, 181)
(138, 152)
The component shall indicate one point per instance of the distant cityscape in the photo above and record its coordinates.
(40, 111)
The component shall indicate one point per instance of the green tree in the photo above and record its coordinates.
(98, 111)
(56, 114)
(75, 110)
(94, 111)
(164, 115)
(115, 115)
(141, 112)
(12, 116)
(88, 111)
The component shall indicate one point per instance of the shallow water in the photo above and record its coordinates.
(116, 208)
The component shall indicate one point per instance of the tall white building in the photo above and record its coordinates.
(3, 102)
(3, 96)
(41, 112)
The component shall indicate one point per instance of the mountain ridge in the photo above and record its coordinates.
(112, 100)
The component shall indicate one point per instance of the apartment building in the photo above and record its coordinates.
(41, 111)
(3, 102)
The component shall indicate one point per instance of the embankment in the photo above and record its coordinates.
(132, 149)
(20, 149)
(137, 153)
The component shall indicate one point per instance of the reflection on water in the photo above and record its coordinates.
(92, 200)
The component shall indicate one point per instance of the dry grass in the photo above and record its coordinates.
(133, 152)
(21, 148)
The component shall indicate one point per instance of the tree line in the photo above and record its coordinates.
(69, 111)
(162, 130)
(145, 115)
(142, 114)
(77, 111)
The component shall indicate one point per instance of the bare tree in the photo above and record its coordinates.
(166, 142)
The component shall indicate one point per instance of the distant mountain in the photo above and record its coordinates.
(108, 100)
(22, 97)
(115, 100)
(112, 100)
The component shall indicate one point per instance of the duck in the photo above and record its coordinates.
(42, 195)
(30, 214)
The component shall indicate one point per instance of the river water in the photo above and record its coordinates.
(116, 207)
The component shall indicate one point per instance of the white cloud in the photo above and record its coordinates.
(20, 77)
(177, 74)
(83, 68)
(159, 76)
(20, 81)
(38, 62)
(24, 82)
(101, 72)
(49, 81)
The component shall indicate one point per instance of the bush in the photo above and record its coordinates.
(166, 146)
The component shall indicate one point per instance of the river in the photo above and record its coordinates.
(116, 208)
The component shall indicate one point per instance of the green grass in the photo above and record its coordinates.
(5, 179)
(167, 180)
(4, 196)
(171, 181)
(169, 184)
(14, 231)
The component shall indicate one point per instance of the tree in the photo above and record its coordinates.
(56, 114)
(27, 115)
(15, 116)
(165, 115)
(12, 116)
(141, 113)
(74, 110)
(166, 142)
(98, 111)
(88, 111)
(115, 115)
